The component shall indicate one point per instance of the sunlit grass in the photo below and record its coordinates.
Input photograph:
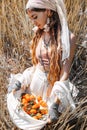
(15, 35)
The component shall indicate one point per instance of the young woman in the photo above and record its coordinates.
(52, 50)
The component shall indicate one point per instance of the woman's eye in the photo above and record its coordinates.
(35, 17)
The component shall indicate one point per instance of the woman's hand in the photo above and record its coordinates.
(24, 87)
(53, 111)
(15, 87)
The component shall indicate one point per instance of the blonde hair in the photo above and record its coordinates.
(54, 71)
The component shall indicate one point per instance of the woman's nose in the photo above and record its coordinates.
(35, 22)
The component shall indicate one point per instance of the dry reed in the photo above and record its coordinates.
(15, 35)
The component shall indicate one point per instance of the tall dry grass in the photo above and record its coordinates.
(15, 35)
(16, 27)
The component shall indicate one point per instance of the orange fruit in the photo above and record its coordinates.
(25, 108)
(43, 103)
(27, 97)
(44, 111)
(39, 115)
(35, 117)
(39, 98)
(31, 105)
(32, 97)
(24, 101)
(28, 112)
(33, 111)
(36, 106)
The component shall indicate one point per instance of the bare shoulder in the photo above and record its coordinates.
(72, 45)
(72, 39)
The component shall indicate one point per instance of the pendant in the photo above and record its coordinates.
(44, 45)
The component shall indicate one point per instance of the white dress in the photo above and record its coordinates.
(38, 86)
(36, 81)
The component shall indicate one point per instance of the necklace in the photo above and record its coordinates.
(46, 43)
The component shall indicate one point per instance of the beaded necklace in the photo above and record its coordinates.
(45, 45)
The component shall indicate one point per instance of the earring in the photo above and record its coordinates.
(47, 25)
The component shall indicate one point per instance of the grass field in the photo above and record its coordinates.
(15, 35)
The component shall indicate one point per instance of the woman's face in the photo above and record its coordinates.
(38, 18)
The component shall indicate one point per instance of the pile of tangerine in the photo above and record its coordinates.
(34, 106)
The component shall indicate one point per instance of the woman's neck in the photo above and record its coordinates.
(46, 36)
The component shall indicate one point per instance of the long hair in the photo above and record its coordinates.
(55, 28)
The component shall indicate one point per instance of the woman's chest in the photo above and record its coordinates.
(43, 50)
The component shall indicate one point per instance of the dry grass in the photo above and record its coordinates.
(15, 34)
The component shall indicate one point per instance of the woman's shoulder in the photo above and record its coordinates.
(72, 37)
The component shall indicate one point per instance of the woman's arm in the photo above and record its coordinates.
(67, 66)
(60, 91)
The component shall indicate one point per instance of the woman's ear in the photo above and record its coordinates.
(49, 13)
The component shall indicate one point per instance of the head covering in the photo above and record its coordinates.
(59, 7)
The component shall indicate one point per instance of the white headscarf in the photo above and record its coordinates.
(59, 7)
